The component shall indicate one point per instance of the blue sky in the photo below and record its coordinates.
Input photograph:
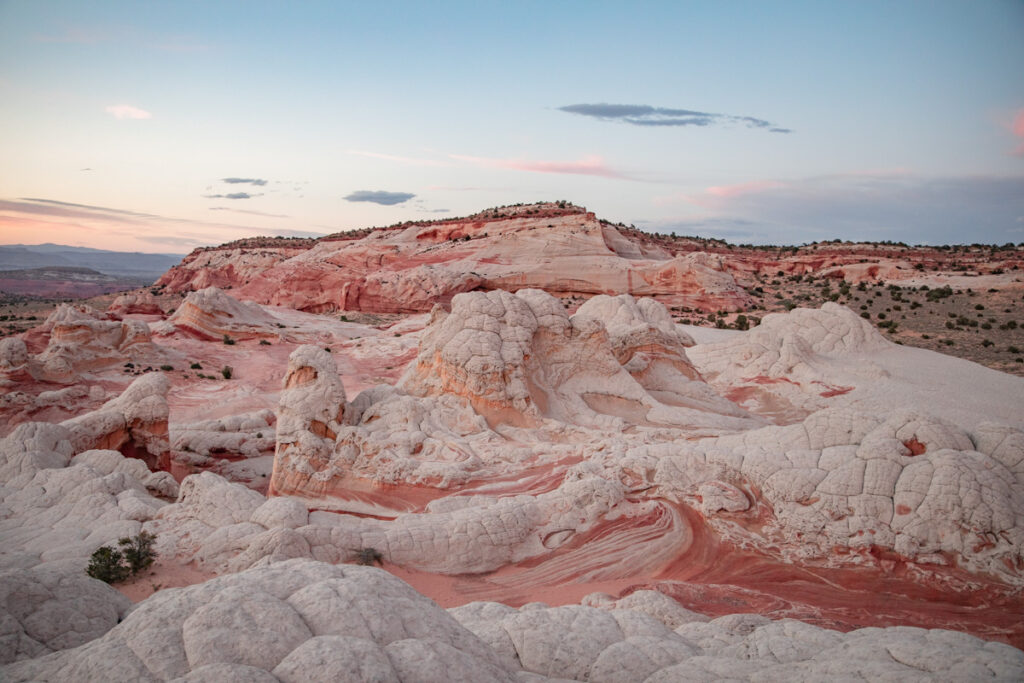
(165, 126)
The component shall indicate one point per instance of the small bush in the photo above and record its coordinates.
(227, 371)
(228, 340)
(112, 565)
(196, 366)
(166, 368)
(264, 342)
(138, 551)
(368, 556)
(107, 564)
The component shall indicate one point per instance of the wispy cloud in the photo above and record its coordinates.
(451, 188)
(1017, 128)
(900, 206)
(740, 189)
(592, 165)
(127, 111)
(232, 195)
(244, 181)
(128, 35)
(248, 213)
(646, 115)
(407, 161)
(52, 207)
(74, 36)
(65, 222)
(381, 197)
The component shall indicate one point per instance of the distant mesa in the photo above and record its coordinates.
(556, 247)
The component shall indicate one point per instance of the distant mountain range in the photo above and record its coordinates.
(139, 267)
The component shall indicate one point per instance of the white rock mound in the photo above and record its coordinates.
(302, 620)
(911, 483)
(79, 341)
(211, 313)
(519, 359)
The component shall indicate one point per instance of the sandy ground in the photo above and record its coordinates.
(163, 574)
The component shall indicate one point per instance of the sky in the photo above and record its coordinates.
(160, 127)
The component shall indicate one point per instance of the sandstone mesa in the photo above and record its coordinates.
(556, 492)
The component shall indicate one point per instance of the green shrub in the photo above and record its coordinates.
(112, 564)
(264, 342)
(196, 366)
(368, 556)
(166, 368)
(939, 293)
(227, 371)
(138, 551)
(107, 564)
(228, 340)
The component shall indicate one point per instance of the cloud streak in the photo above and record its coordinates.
(232, 195)
(868, 205)
(244, 181)
(592, 165)
(1017, 128)
(127, 111)
(248, 213)
(66, 222)
(646, 115)
(382, 197)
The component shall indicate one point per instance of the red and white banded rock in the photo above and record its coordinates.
(211, 313)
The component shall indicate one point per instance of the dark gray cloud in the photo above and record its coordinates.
(379, 197)
(232, 195)
(244, 181)
(646, 115)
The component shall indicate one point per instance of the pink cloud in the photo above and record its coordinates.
(588, 165)
(1017, 128)
(79, 36)
(740, 189)
(126, 111)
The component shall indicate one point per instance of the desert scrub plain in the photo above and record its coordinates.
(980, 318)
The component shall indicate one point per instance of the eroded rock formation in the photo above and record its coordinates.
(565, 251)
(211, 314)
(301, 620)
